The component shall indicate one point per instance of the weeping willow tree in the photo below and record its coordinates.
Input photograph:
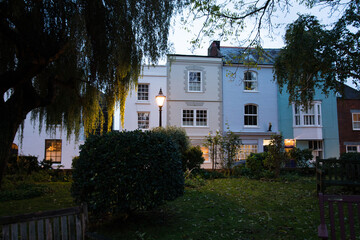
(60, 59)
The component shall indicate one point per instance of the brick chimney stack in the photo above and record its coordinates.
(214, 49)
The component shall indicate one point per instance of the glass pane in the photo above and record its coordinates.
(188, 117)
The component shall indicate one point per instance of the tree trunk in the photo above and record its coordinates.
(9, 124)
(13, 113)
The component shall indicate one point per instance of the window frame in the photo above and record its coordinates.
(143, 92)
(190, 83)
(245, 151)
(148, 120)
(251, 81)
(355, 122)
(194, 118)
(356, 146)
(311, 117)
(56, 154)
(246, 115)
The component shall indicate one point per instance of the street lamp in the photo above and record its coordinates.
(160, 100)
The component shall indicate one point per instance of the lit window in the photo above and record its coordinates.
(354, 148)
(310, 116)
(245, 151)
(356, 121)
(250, 81)
(143, 120)
(194, 82)
(143, 92)
(196, 118)
(205, 152)
(53, 150)
(251, 115)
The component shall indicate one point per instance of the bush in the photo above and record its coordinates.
(121, 172)
(22, 165)
(354, 156)
(276, 155)
(241, 170)
(179, 137)
(194, 158)
(301, 157)
(255, 163)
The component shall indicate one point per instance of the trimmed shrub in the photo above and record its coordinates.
(121, 172)
(194, 158)
(179, 137)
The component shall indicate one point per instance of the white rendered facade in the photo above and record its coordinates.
(194, 96)
(141, 111)
(50, 145)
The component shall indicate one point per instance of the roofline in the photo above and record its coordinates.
(249, 48)
(198, 56)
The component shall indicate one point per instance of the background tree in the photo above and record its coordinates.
(276, 154)
(314, 56)
(58, 58)
(213, 144)
(317, 58)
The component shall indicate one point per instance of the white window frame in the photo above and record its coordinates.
(356, 146)
(49, 151)
(143, 92)
(245, 150)
(356, 128)
(190, 83)
(251, 81)
(318, 150)
(143, 122)
(251, 115)
(310, 117)
(195, 117)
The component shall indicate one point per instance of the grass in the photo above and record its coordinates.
(228, 209)
(58, 197)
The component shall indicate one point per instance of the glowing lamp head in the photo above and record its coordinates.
(160, 98)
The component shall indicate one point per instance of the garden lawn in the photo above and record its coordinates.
(58, 197)
(233, 208)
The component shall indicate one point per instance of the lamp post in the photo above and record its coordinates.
(160, 100)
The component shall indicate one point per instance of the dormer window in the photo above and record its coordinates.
(195, 81)
(250, 81)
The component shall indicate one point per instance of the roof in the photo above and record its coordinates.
(240, 55)
(350, 93)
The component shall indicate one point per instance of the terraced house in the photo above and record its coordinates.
(233, 89)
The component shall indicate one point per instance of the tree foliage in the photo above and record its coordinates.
(276, 154)
(315, 56)
(66, 59)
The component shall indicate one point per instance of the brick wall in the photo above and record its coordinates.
(346, 133)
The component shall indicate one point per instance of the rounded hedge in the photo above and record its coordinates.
(120, 172)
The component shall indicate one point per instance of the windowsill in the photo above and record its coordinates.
(143, 102)
(307, 126)
(194, 126)
(251, 91)
(195, 91)
(251, 127)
